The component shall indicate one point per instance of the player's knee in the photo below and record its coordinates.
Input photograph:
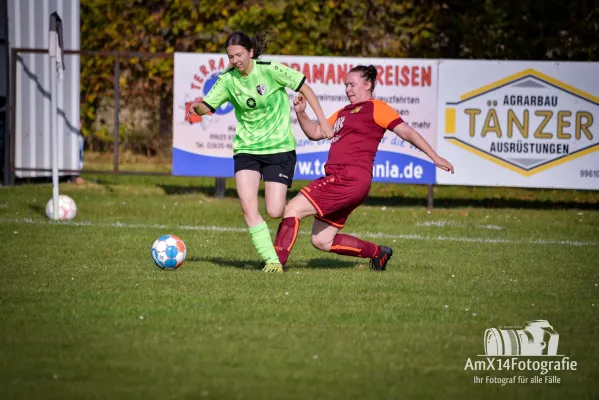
(290, 211)
(321, 244)
(275, 211)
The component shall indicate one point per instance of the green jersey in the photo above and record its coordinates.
(261, 106)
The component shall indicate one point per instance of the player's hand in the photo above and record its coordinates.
(327, 130)
(299, 103)
(196, 102)
(444, 164)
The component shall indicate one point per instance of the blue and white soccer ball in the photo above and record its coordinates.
(169, 252)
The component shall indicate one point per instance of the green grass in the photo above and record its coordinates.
(73, 295)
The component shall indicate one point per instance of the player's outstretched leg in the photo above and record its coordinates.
(326, 237)
(348, 245)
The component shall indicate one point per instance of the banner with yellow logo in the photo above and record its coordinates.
(526, 124)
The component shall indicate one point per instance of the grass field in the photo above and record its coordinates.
(84, 314)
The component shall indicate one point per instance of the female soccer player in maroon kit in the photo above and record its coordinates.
(359, 128)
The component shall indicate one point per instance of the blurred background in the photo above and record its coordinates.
(154, 30)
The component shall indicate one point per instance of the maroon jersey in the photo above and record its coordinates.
(359, 129)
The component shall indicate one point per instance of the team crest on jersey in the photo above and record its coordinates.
(356, 110)
(251, 102)
(338, 125)
(261, 89)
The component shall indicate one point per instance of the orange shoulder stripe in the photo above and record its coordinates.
(333, 118)
(384, 114)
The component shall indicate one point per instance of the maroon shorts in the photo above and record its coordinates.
(337, 194)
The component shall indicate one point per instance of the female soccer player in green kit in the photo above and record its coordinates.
(264, 145)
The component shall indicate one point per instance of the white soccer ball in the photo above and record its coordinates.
(169, 252)
(67, 209)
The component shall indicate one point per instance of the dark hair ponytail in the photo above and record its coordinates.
(258, 42)
(367, 72)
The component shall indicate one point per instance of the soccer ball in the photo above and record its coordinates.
(67, 209)
(169, 252)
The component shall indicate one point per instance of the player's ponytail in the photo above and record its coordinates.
(258, 42)
(369, 73)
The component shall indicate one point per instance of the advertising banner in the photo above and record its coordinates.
(523, 124)
(202, 146)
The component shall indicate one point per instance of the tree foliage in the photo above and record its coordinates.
(483, 29)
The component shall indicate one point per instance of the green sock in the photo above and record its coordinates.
(263, 243)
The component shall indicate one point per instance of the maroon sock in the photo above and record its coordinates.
(286, 235)
(352, 246)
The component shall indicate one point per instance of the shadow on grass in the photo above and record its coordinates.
(327, 263)
(254, 264)
(38, 209)
(417, 201)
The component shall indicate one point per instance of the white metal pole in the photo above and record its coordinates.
(54, 133)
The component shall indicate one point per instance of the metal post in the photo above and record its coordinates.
(219, 192)
(431, 196)
(6, 142)
(117, 78)
(9, 101)
(54, 134)
(9, 173)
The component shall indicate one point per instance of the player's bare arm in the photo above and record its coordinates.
(310, 128)
(199, 108)
(308, 94)
(408, 134)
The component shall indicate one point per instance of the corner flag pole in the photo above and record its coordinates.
(55, 47)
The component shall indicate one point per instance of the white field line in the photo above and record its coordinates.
(215, 228)
(443, 224)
